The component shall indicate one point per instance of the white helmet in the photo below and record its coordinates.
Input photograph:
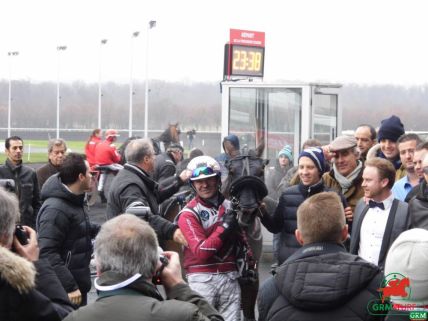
(203, 167)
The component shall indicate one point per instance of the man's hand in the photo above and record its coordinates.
(29, 251)
(185, 175)
(171, 274)
(349, 215)
(75, 297)
(179, 238)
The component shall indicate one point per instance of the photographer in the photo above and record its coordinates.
(29, 289)
(212, 232)
(126, 253)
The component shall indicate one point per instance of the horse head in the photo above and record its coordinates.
(246, 181)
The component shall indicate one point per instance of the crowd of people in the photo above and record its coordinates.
(345, 218)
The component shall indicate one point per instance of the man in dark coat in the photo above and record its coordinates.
(134, 191)
(56, 154)
(26, 185)
(64, 230)
(128, 257)
(29, 288)
(418, 205)
(321, 281)
(166, 163)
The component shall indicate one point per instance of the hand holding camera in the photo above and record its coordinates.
(30, 251)
(171, 275)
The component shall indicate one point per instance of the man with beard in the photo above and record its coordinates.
(25, 178)
(64, 230)
(406, 146)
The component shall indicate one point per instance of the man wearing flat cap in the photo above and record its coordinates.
(346, 174)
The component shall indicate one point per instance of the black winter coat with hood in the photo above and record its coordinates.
(64, 235)
(321, 281)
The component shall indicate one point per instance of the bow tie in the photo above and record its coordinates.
(373, 204)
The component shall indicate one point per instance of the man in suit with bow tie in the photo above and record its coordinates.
(379, 218)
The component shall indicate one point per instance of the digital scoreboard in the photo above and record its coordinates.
(244, 54)
(244, 60)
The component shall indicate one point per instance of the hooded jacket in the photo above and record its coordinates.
(321, 282)
(21, 299)
(64, 235)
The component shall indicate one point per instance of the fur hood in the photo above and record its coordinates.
(18, 272)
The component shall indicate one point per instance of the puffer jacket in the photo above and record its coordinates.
(64, 235)
(284, 220)
(20, 296)
(321, 282)
(26, 188)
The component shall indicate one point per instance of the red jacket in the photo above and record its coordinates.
(106, 153)
(90, 150)
(201, 225)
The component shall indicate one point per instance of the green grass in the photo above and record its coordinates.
(42, 156)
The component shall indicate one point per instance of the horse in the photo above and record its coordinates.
(168, 136)
(246, 189)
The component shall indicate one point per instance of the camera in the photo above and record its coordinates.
(164, 262)
(8, 184)
(21, 235)
(142, 212)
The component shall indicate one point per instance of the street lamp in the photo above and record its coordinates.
(59, 49)
(9, 107)
(152, 24)
(103, 42)
(131, 89)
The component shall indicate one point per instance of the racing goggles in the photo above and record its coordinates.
(202, 172)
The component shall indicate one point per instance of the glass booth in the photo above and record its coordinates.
(280, 114)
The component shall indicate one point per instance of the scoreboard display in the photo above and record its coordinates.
(244, 54)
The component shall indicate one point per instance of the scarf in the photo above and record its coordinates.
(346, 182)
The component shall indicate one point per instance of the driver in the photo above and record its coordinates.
(212, 232)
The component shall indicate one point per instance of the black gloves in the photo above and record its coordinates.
(230, 223)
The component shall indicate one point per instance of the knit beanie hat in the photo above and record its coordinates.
(408, 256)
(317, 156)
(287, 152)
(233, 139)
(390, 128)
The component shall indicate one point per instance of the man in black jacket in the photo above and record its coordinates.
(29, 289)
(134, 191)
(26, 185)
(166, 163)
(321, 281)
(64, 230)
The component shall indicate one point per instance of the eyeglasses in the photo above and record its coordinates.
(202, 170)
(425, 169)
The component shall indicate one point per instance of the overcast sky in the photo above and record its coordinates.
(358, 41)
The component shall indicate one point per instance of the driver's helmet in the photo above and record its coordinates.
(203, 167)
